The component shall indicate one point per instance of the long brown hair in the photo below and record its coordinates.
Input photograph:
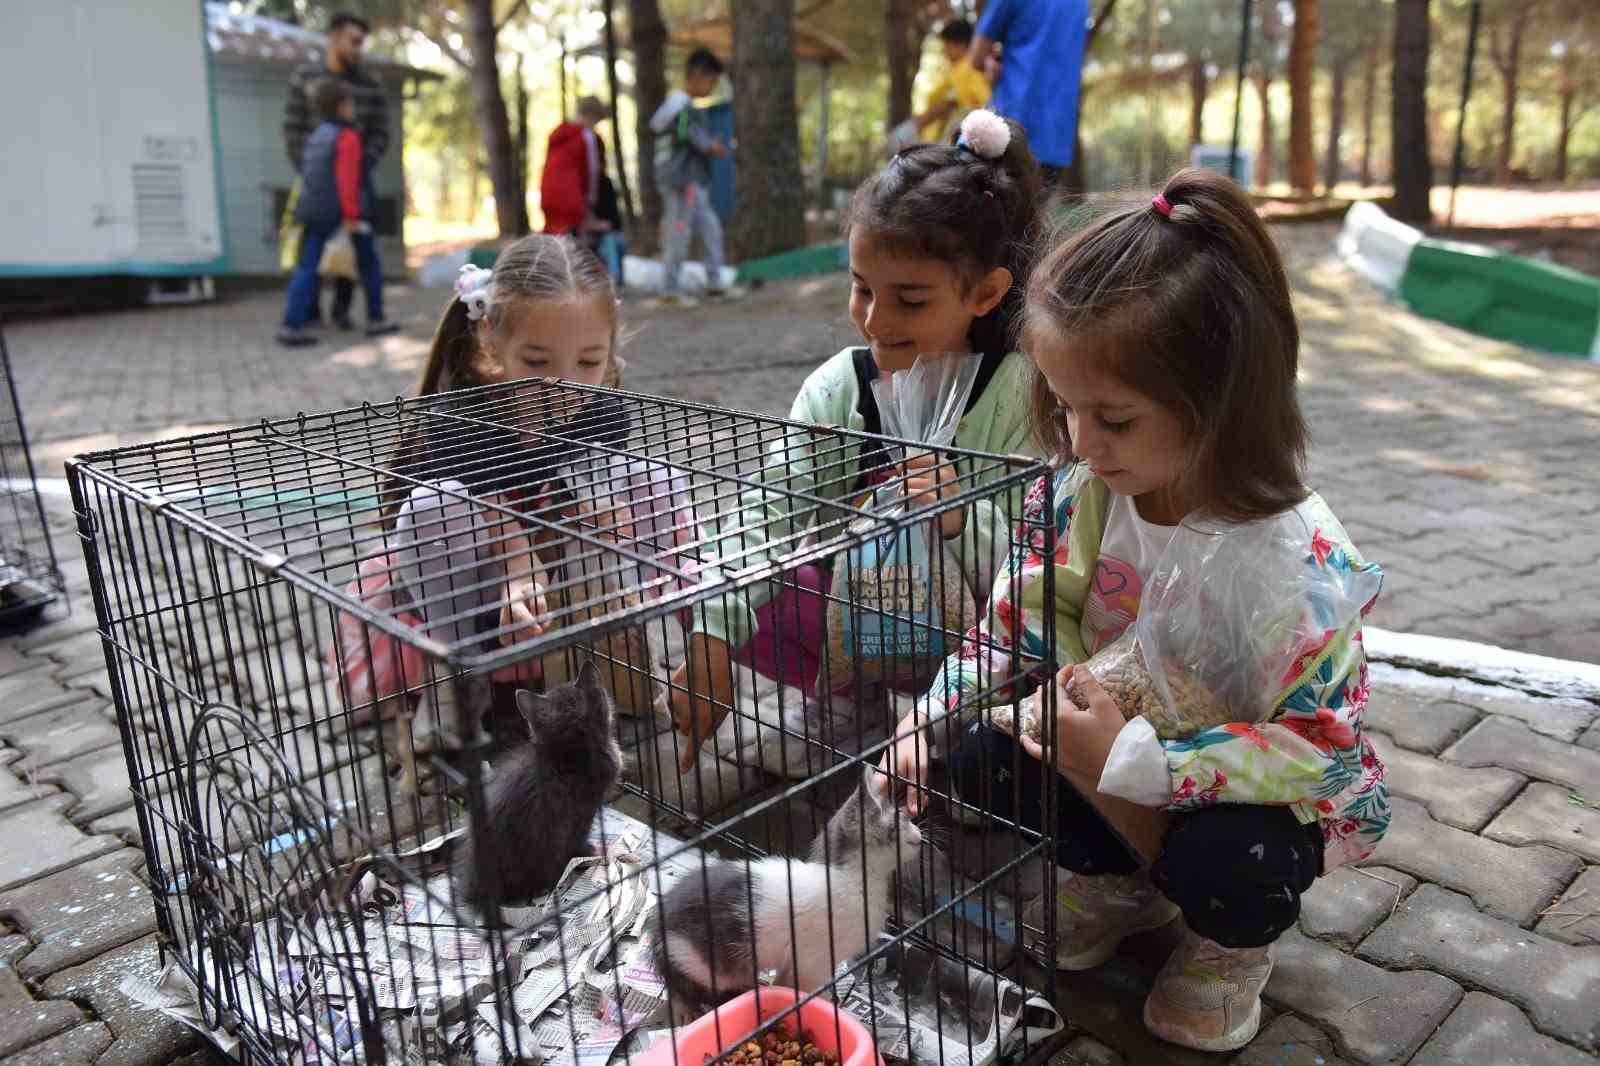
(539, 267)
(535, 268)
(940, 201)
(1191, 308)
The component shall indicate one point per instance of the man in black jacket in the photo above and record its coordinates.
(347, 36)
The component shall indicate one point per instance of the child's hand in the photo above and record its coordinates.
(524, 607)
(1084, 735)
(719, 149)
(697, 713)
(930, 479)
(907, 759)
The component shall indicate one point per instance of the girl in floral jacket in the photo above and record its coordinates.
(1167, 349)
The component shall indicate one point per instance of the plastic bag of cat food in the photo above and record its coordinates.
(1231, 617)
(901, 601)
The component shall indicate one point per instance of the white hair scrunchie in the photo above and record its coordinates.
(472, 289)
(984, 134)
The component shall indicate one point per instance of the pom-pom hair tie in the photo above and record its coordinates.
(472, 289)
(1162, 205)
(984, 134)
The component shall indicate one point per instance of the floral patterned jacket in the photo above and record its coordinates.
(1310, 755)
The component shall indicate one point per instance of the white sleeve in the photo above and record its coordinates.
(676, 101)
(1136, 769)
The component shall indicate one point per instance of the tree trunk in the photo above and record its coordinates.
(1199, 86)
(1508, 60)
(1074, 179)
(904, 54)
(489, 105)
(1264, 160)
(768, 184)
(1568, 87)
(1302, 64)
(1330, 166)
(474, 180)
(1413, 173)
(649, 89)
(1369, 101)
(608, 8)
(519, 137)
(445, 206)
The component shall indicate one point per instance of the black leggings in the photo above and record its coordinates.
(1236, 871)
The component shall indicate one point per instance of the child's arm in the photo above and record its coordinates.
(1009, 634)
(524, 605)
(1308, 753)
(701, 688)
(347, 175)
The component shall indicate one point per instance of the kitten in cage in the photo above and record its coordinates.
(543, 795)
(716, 931)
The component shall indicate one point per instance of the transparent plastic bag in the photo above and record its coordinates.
(897, 598)
(1231, 616)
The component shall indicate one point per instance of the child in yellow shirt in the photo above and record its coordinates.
(963, 87)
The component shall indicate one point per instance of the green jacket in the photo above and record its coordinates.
(765, 525)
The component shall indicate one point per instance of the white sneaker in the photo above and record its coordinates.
(1208, 997)
(1095, 914)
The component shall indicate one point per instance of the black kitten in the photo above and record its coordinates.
(544, 794)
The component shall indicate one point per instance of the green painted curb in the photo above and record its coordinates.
(1507, 297)
(800, 263)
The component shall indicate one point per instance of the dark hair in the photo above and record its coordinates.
(538, 267)
(703, 60)
(956, 31)
(346, 18)
(325, 97)
(1190, 308)
(940, 201)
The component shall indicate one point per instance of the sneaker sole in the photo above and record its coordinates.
(1240, 1035)
(1244, 1033)
(1097, 954)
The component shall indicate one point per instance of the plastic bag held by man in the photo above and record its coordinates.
(901, 600)
(1231, 617)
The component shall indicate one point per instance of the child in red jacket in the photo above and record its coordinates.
(334, 195)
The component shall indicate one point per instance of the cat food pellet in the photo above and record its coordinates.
(779, 1049)
(1120, 669)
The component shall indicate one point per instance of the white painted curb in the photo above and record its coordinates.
(1536, 674)
(1375, 245)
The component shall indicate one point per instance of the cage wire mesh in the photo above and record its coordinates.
(352, 854)
(30, 579)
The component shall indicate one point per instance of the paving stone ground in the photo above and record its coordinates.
(1467, 468)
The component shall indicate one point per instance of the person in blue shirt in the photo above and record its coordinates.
(1042, 42)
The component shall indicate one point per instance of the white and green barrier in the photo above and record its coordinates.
(1499, 295)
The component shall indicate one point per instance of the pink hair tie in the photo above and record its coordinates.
(1162, 206)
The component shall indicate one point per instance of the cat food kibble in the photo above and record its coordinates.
(1121, 671)
(779, 1049)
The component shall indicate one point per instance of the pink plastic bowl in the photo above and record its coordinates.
(834, 1031)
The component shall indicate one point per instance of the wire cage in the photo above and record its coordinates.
(30, 579)
(360, 748)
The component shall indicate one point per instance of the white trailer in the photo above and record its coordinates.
(109, 134)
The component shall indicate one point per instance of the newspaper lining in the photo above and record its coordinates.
(576, 986)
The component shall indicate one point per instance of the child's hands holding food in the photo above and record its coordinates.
(1085, 729)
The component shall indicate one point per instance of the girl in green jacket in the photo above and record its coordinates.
(939, 255)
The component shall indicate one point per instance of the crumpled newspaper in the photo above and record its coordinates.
(400, 969)
(924, 1008)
